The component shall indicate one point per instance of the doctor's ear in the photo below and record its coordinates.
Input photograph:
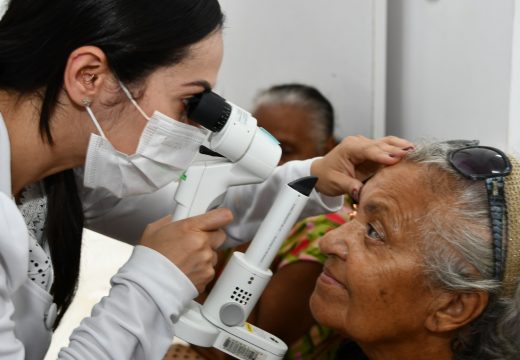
(86, 73)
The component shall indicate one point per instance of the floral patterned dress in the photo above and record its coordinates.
(303, 245)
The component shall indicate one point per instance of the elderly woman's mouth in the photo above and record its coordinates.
(327, 278)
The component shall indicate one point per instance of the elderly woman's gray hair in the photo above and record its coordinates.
(459, 256)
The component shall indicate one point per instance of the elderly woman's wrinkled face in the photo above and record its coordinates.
(372, 287)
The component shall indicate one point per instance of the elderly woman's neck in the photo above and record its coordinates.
(427, 348)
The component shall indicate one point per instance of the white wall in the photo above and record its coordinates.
(514, 98)
(328, 44)
(449, 69)
(3, 4)
(449, 62)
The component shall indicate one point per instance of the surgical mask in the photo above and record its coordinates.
(165, 150)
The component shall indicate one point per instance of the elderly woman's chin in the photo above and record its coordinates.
(329, 304)
(386, 282)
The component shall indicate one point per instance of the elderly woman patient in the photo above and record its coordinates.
(420, 273)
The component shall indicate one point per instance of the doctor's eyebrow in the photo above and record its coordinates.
(202, 83)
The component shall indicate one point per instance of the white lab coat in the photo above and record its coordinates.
(134, 320)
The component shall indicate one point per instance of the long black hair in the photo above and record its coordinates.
(137, 36)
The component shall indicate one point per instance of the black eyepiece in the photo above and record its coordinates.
(209, 110)
(304, 185)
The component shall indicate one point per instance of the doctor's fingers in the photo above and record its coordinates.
(397, 142)
(212, 220)
(199, 268)
(216, 238)
(191, 251)
(199, 231)
(343, 169)
(386, 150)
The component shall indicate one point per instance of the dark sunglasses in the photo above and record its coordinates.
(492, 165)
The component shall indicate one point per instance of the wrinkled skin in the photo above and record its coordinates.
(372, 288)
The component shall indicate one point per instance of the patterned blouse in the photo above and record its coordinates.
(303, 245)
(33, 206)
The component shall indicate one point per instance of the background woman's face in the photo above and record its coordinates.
(292, 126)
(372, 287)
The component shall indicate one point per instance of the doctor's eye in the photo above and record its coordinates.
(287, 150)
(187, 102)
(373, 234)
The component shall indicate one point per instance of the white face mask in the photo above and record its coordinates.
(166, 149)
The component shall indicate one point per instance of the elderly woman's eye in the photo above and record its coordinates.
(372, 233)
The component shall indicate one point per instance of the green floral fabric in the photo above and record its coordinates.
(303, 245)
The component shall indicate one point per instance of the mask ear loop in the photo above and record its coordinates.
(86, 103)
(132, 100)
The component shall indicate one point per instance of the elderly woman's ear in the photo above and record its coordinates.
(451, 311)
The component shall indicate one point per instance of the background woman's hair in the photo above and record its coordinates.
(303, 96)
(459, 256)
(138, 36)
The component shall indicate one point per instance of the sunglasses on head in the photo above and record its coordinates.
(492, 165)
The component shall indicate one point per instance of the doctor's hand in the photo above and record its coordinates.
(190, 243)
(355, 159)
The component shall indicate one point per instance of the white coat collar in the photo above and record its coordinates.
(5, 159)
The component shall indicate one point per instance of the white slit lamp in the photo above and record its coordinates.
(241, 153)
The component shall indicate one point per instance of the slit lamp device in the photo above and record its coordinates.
(239, 153)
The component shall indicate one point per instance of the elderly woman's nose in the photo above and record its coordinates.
(334, 243)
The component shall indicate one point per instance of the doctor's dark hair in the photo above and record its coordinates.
(138, 37)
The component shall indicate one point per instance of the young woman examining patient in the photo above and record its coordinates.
(90, 95)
